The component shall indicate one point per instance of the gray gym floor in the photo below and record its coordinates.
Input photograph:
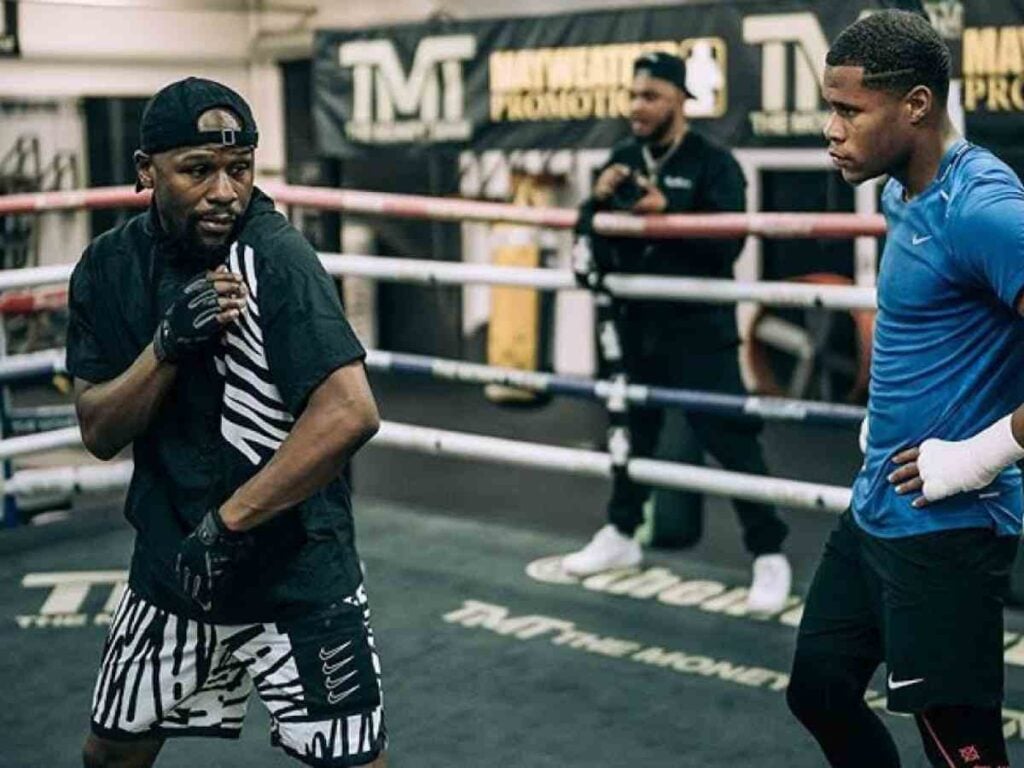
(490, 659)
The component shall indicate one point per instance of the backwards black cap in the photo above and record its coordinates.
(663, 66)
(171, 118)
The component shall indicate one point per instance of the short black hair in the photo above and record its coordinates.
(898, 50)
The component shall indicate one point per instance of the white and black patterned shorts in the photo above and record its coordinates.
(319, 676)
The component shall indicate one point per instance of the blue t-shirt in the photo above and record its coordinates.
(948, 355)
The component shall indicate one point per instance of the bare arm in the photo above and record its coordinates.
(340, 417)
(114, 413)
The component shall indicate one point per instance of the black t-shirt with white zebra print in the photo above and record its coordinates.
(229, 409)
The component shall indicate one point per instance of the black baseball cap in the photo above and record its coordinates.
(171, 118)
(663, 66)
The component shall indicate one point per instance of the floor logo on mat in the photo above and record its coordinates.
(489, 617)
(71, 595)
(664, 586)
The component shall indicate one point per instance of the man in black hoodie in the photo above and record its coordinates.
(206, 334)
(667, 167)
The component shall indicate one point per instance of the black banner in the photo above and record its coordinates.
(992, 61)
(754, 66)
(9, 29)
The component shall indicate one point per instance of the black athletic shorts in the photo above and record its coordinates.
(929, 606)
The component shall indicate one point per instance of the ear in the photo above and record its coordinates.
(919, 103)
(143, 169)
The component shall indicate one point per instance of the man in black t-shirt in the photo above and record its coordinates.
(666, 167)
(206, 334)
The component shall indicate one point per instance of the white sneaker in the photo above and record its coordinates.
(772, 580)
(607, 551)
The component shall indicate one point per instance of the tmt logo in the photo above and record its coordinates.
(428, 104)
(786, 37)
(67, 604)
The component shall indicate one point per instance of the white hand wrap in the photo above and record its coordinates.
(862, 438)
(947, 468)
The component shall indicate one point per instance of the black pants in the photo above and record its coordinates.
(669, 360)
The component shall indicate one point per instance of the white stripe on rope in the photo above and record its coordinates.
(425, 272)
(40, 442)
(62, 480)
(780, 294)
(26, 278)
(596, 464)
(31, 361)
(769, 293)
(738, 485)
(478, 373)
(494, 450)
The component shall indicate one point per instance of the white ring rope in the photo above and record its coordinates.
(663, 474)
(425, 272)
(439, 442)
(773, 294)
(30, 276)
(781, 294)
(23, 445)
(44, 359)
(85, 478)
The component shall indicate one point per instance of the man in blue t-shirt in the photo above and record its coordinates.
(917, 581)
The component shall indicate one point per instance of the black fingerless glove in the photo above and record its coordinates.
(190, 321)
(207, 559)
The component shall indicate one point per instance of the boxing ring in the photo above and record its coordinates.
(25, 296)
(678, 631)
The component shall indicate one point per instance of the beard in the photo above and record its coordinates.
(189, 246)
(658, 133)
(204, 252)
(187, 243)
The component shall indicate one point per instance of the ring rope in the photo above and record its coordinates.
(50, 362)
(772, 225)
(437, 442)
(85, 478)
(425, 272)
(686, 289)
(25, 445)
(775, 408)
